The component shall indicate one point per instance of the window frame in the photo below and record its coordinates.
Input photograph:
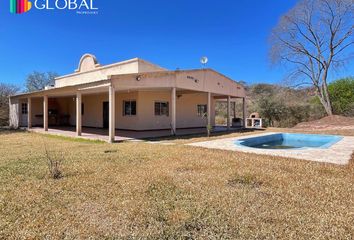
(24, 108)
(161, 112)
(130, 103)
(199, 113)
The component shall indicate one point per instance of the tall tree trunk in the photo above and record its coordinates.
(326, 104)
(325, 94)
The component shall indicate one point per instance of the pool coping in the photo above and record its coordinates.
(324, 146)
(338, 153)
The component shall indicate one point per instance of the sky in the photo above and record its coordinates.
(171, 33)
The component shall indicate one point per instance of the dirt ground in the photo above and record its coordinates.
(328, 123)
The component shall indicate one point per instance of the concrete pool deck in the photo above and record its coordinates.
(338, 153)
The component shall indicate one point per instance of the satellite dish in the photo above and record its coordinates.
(204, 60)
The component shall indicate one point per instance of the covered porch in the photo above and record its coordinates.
(100, 115)
(131, 106)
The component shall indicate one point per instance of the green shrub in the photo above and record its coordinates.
(342, 96)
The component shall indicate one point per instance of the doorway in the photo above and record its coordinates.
(105, 114)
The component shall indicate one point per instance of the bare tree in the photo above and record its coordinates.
(315, 37)
(38, 81)
(6, 90)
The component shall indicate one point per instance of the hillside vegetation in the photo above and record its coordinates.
(282, 106)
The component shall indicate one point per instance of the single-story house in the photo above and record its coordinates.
(133, 95)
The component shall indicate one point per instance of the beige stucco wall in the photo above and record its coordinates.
(197, 80)
(208, 81)
(92, 116)
(99, 74)
(146, 110)
(89, 73)
(148, 67)
(128, 122)
(187, 112)
(14, 113)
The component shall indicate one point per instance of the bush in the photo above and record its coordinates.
(54, 164)
(342, 96)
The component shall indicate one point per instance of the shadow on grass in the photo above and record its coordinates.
(201, 135)
(7, 131)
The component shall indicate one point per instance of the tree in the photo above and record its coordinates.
(6, 90)
(342, 96)
(38, 81)
(282, 106)
(314, 37)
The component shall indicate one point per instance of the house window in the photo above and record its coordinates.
(202, 110)
(129, 108)
(82, 109)
(24, 108)
(161, 108)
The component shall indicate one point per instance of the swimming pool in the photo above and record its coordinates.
(289, 141)
(325, 148)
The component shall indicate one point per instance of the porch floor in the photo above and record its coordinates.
(121, 135)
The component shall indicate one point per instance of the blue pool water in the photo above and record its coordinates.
(289, 141)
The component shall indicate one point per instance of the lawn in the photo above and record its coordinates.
(139, 190)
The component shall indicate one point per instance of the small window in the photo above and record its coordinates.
(202, 110)
(161, 108)
(24, 108)
(82, 109)
(129, 108)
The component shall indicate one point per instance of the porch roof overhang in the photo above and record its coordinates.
(63, 91)
(199, 80)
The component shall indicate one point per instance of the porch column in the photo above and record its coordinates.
(112, 113)
(244, 111)
(45, 113)
(29, 112)
(78, 114)
(209, 109)
(228, 112)
(173, 111)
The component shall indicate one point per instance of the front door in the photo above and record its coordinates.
(24, 115)
(105, 115)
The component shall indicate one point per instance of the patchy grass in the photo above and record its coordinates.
(137, 190)
(81, 140)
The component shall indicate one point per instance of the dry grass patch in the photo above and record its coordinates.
(247, 180)
(151, 191)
